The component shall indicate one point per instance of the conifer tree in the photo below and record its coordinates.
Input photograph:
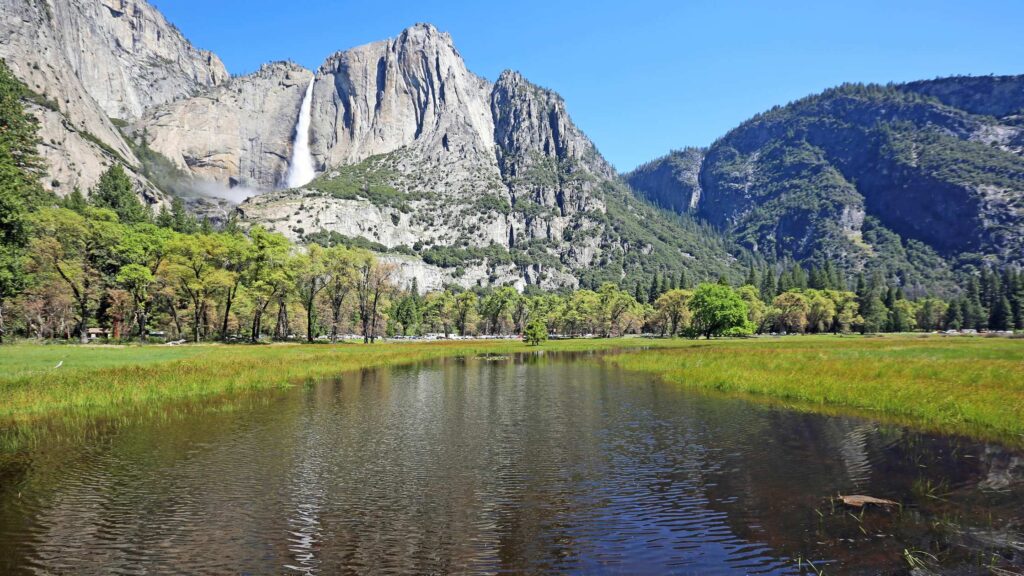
(769, 289)
(116, 192)
(20, 192)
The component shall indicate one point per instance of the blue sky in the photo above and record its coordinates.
(647, 76)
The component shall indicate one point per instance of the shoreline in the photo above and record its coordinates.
(965, 386)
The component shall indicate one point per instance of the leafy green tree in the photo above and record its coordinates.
(311, 277)
(192, 267)
(374, 284)
(116, 192)
(340, 265)
(618, 309)
(536, 332)
(672, 306)
(465, 311)
(77, 251)
(821, 310)
(580, 312)
(789, 312)
(903, 317)
(268, 274)
(756, 308)
(439, 310)
(143, 250)
(234, 258)
(496, 308)
(718, 310)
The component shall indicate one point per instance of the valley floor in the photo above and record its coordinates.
(973, 386)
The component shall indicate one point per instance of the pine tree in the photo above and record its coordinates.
(769, 288)
(817, 279)
(975, 315)
(655, 287)
(20, 192)
(954, 319)
(75, 201)
(683, 282)
(751, 279)
(1002, 315)
(799, 277)
(116, 192)
(181, 220)
(638, 293)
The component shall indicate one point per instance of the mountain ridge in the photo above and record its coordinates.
(490, 182)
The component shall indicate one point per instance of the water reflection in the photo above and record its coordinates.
(536, 464)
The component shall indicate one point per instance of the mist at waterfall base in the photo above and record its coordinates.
(301, 170)
(235, 195)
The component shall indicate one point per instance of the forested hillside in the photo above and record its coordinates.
(913, 181)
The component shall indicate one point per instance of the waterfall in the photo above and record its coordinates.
(300, 169)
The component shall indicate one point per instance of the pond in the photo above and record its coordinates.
(530, 464)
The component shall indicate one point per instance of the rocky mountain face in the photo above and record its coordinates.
(89, 61)
(237, 134)
(490, 181)
(912, 180)
(672, 181)
(458, 179)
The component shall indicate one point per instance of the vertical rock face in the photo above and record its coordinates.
(238, 134)
(413, 90)
(672, 181)
(91, 60)
(128, 57)
(418, 154)
(542, 155)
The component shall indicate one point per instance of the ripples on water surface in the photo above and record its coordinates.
(526, 465)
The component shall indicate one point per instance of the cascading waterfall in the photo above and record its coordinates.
(300, 169)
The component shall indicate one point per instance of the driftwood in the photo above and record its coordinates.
(859, 501)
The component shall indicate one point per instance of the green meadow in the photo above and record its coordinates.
(973, 386)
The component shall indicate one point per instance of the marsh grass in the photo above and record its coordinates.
(972, 386)
(104, 380)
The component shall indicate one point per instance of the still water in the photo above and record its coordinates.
(533, 464)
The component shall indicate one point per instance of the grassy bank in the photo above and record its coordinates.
(967, 385)
(972, 386)
(38, 380)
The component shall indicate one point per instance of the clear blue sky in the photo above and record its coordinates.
(646, 76)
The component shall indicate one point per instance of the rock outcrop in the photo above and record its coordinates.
(128, 57)
(418, 154)
(672, 181)
(88, 61)
(238, 134)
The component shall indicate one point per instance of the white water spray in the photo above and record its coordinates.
(300, 169)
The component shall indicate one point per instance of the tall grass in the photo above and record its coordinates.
(964, 385)
(973, 386)
(105, 379)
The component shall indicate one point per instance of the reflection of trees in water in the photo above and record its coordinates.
(534, 464)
